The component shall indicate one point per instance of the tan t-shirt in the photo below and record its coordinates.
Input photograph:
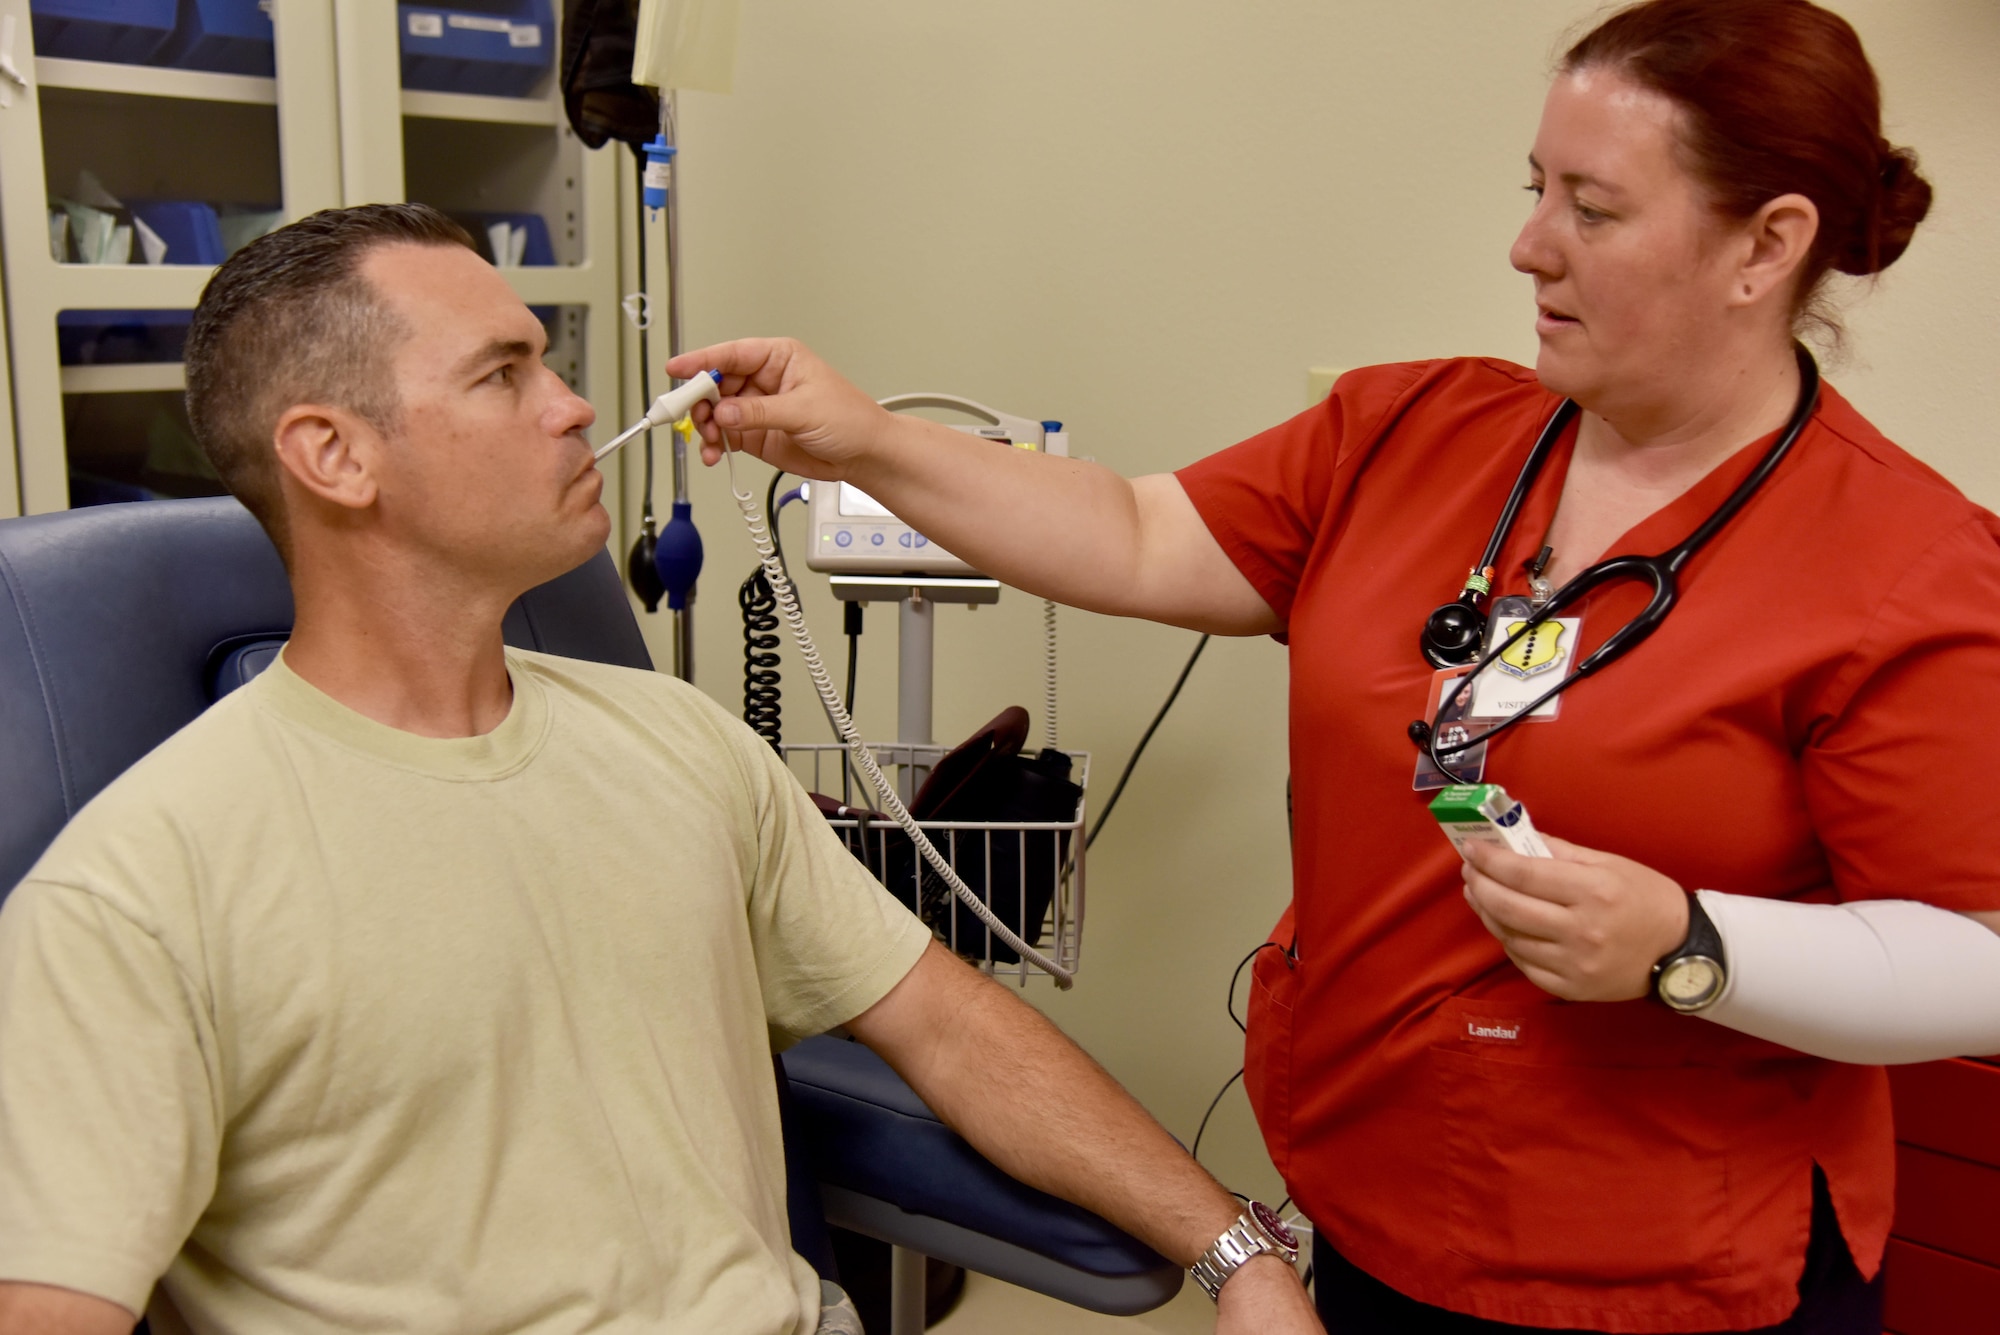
(337, 1028)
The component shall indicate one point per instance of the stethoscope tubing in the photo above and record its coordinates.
(1663, 570)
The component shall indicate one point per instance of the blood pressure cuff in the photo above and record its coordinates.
(598, 93)
(987, 780)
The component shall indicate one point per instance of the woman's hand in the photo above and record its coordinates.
(1583, 925)
(783, 404)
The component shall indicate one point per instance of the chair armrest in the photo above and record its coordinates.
(892, 1170)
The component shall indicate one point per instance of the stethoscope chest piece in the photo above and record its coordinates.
(1454, 632)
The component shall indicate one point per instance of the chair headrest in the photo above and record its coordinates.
(119, 624)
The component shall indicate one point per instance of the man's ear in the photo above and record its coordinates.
(1781, 236)
(330, 452)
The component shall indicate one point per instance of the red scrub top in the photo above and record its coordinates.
(1818, 719)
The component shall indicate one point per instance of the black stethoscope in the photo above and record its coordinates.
(1453, 633)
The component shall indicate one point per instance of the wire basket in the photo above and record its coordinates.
(1030, 874)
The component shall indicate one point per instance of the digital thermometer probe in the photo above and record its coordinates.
(669, 408)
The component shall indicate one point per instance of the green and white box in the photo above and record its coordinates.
(1482, 813)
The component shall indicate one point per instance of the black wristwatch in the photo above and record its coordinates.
(1692, 975)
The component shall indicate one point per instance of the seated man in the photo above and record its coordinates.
(423, 984)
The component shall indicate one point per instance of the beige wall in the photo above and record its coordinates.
(1148, 218)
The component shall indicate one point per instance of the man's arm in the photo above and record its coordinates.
(43, 1309)
(1031, 1101)
(110, 1139)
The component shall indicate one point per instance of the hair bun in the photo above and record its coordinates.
(1903, 201)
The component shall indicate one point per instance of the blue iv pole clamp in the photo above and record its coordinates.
(659, 173)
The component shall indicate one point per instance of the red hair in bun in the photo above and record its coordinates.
(1777, 98)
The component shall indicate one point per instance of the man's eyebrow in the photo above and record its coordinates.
(497, 350)
(1578, 178)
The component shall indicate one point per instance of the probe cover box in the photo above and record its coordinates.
(1483, 813)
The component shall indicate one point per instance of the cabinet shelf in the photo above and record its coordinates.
(479, 107)
(156, 81)
(135, 378)
(127, 287)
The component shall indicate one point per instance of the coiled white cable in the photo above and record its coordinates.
(864, 759)
(1049, 674)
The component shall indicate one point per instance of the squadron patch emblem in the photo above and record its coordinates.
(1534, 653)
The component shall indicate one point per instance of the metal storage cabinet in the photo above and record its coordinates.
(333, 127)
(1944, 1251)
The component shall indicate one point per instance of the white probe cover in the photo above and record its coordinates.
(675, 404)
(1875, 982)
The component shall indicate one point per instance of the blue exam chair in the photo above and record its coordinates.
(120, 623)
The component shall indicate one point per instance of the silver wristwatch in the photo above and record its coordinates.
(1258, 1229)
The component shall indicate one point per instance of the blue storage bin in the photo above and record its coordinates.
(191, 230)
(499, 47)
(539, 252)
(129, 32)
(227, 36)
(101, 338)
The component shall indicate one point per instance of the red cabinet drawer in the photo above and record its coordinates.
(1948, 1204)
(1930, 1293)
(1950, 1106)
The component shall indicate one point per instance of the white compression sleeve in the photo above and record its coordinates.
(1877, 982)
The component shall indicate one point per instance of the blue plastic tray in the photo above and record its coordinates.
(539, 251)
(99, 338)
(127, 31)
(191, 230)
(501, 48)
(227, 36)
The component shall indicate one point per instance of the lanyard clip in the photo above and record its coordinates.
(1539, 588)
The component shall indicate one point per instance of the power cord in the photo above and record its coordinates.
(851, 623)
(763, 701)
(1151, 728)
(1229, 1004)
(1195, 1152)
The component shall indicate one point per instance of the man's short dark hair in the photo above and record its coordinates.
(287, 320)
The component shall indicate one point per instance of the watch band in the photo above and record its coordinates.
(1256, 1231)
(1691, 977)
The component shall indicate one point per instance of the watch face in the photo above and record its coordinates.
(1267, 1219)
(1690, 982)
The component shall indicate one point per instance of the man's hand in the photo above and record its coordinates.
(1264, 1295)
(1583, 925)
(783, 404)
(44, 1309)
(1030, 1100)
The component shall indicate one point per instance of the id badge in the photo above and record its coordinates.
(1468, 766)
(1531, 665)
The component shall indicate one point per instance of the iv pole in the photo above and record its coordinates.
(683, 616)
(677, 555)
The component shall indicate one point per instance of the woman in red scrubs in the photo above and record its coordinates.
(1706, 1146)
